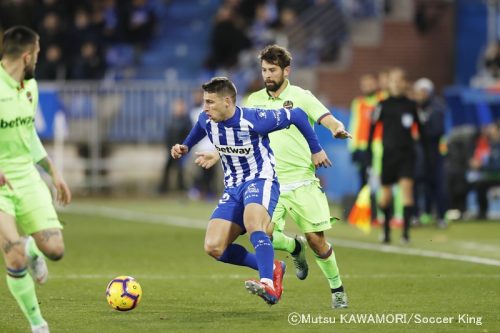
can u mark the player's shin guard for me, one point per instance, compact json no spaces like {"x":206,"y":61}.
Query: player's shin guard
{"x":237,"y":255}
{"x":328,"y":265}
{"x":265,"y":254}
{"x":22,"y":288}
{"x":282,"y":242}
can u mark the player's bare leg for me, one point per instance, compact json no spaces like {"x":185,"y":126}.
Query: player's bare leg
{"x":19,"y":280}
{"x":325,"y":258}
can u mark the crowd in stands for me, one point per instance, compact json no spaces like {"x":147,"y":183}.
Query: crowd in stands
{"x":80,"y":39}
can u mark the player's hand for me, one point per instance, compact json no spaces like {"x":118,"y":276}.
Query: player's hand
{"x":178,"y":151}
{"x":4,"y":181}
{"x":320,"y":159}
{"x":206,"y":159}
{"x":341,"y":133}
{"x":63,"y":192}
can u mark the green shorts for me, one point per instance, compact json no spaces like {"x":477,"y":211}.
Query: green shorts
{"x":307,"y":206}
{"x":31,"y":206}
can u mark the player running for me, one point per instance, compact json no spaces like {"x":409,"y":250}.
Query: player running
{"x":25,"y":201}
{"x":302,"y":197}
{"x":251,"y":193}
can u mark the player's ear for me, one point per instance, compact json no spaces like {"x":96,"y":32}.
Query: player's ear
{"x":26,"y":58}
{"x":286,"y":71}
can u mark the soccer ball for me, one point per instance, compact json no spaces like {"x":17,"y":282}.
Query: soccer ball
{"x":123,"y":293}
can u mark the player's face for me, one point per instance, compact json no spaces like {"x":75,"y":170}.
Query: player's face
{"x":216,"y":107}
{"x":30,"y":60}
{"x":273,"y":75}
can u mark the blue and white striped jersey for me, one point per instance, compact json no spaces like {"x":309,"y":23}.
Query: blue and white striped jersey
{"x":243,"y":143}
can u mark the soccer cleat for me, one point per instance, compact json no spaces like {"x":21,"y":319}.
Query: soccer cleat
{"x":299,"y":260}
{"x":262,"y":290}
{"x":42,"y":328}
{"x":278,"y":273}
{"x":37,"y":265}
{"x":339,"y":300}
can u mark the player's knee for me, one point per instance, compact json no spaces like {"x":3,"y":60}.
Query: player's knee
{"x":16,"y":261}
{"x":55,"y":252}
{"x":214,"y":250}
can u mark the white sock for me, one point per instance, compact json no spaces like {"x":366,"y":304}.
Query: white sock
{"x":268,"y":282}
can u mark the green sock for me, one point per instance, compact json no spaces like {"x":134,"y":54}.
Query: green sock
{"x":330,"y":269}
{"x":33,"y":250}
{"x":283,"y":242}
{"x":23,"y":290}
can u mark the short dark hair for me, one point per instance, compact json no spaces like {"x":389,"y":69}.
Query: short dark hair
{"x":276,"y":55}
{"x":221,"y":86}
{"x":17,"y":40}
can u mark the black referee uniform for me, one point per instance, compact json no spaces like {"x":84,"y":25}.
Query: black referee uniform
{"x":397,"y":114}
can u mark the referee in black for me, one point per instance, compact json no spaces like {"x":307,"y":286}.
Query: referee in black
{"x":398,"y":114}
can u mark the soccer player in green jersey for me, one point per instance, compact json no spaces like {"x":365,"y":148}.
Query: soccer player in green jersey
{"x":302,"y":197}
{"x":25,"y":200}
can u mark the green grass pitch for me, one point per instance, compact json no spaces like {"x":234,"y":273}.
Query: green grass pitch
{"x":160,"y":243}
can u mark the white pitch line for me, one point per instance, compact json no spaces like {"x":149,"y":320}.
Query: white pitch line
{"x":241,"y":276}
{"x":140,"y":217}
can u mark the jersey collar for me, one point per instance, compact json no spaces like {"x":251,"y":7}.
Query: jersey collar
{"x":283,"y":94}
{"x":4,"y":76}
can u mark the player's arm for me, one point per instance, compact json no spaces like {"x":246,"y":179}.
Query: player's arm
{"x":63,"y":191}
{"x":274,"y":120}
{"x":40,"y":157}
{"x":196,"y":135}
{"x":320,"y":114}
{"x":335,"y":126}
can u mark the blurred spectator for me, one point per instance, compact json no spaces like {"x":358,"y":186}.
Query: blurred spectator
{"x":139,"y":23}
{"x":429,"y":184}
{"x":460,"y":149}
{"x":89,"y":64}
{"x":108,"y":19}
{"x":489,"y":70}
{"x":260,"y":33}
{"x":359,"y":124}
{"x":227,"y":41}
{"x":485,"y":166}
{"x":51,"y":31}
{"x":19,"y":12}
{"x":383,"y":81}
{"x":82,"y":31}
{"x":52,"y":67}
{"x":178,"y":127}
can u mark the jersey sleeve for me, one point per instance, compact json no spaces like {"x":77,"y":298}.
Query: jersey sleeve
{"x":197,"y":133}
{"x":37,"y":151}
{"x":313,"y":107}
{"x":267,"y":121}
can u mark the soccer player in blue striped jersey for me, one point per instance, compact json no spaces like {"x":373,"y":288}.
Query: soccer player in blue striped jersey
{"x":251,"y":193}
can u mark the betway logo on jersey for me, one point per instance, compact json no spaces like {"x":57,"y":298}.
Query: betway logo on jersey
{"x":235,"y":150}
{"x":19,"y":121}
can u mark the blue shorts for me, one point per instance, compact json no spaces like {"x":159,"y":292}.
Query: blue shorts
{"x":234,"y":200}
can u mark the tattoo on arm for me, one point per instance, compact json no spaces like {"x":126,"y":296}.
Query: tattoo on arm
{"x":7,"y":247}
{"x":48,"y":234}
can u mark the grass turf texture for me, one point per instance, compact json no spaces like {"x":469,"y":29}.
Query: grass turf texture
{"x":185,"y":290}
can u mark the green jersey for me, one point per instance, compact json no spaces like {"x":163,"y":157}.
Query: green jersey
{"x":20,"y":147}
{"x":293,"y":157}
